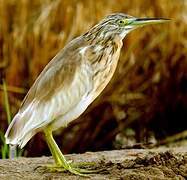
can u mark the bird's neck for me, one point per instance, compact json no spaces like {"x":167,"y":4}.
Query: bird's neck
{"x":105,"y":65}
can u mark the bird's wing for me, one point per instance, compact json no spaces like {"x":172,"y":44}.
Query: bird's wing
{"x":57,"y":82}
{"x":59,"y":72}
{"x":54,"y":76}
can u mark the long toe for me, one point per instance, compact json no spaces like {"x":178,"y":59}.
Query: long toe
{"x":89,"y":171}
{"x":74,"y":170}
{"x":85,"y":167}
{"x":79,"y":172}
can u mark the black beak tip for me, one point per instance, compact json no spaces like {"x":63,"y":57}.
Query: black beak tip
{"x":148,"y":19}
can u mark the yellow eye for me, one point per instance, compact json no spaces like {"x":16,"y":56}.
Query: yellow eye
{"x":123,"y":22}
{"x":120,"y":22}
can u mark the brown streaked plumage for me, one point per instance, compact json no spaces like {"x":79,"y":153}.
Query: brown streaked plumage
{"x":71,"y":82}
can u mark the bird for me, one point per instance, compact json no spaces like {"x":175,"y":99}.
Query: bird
{"x":71,"y":81}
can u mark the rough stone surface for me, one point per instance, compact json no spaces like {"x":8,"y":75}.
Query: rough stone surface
{"x":134,"y":164}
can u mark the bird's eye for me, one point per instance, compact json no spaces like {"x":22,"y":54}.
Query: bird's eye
{"x":121,"y":22}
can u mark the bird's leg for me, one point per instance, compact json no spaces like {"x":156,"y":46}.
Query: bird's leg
{"x":59,"y":157}
{"x":55,"y":151}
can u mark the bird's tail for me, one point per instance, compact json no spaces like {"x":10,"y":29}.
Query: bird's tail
{"x":14,"y":129}
{"x":19,"y":131}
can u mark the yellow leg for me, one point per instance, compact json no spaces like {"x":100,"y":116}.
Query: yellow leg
{"x":55,"y":151}
{"x":59,"y":157}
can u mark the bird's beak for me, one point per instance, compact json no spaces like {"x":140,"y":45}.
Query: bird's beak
{"x":136,"y":22}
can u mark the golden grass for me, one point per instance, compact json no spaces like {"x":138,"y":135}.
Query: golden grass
{"x":151,"y":77}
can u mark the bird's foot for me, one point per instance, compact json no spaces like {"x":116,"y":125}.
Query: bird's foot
{"x":74,"y":168}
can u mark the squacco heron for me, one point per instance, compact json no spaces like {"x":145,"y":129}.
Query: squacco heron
{"x":71,"y":81}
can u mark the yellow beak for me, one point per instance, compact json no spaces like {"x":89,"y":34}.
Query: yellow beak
{"x":147,"y":21}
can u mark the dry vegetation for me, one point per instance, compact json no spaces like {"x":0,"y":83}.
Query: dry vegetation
{"x":147,"y":98}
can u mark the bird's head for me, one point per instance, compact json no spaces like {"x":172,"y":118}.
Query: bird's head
{"x":121,"y":24}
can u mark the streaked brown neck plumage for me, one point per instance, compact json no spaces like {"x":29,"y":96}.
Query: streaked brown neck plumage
{"x":103,"y":52}
{"x":100,"y":34}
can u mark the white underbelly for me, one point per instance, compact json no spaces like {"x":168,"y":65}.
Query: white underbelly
{"x":75,"y":112}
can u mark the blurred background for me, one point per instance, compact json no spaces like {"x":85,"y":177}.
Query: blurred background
{"x":145,"y":104}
